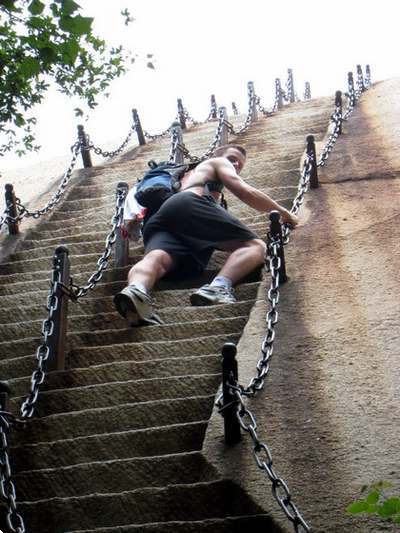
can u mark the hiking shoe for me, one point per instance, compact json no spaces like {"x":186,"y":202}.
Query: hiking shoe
{"x":136,"y":306}
{"x":211,"y":295}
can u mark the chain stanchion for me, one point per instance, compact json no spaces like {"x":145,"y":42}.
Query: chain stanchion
{"x":360,"y":81}
{"x":229,"y":405}
{"x":367,"y":81}
{"x":224,"y":134}
{"x":307,"y":91}
{"x":252,"y":99}
{"x":138,"y":127}
{"x":290,"y":87}
{"x":177,"y":154}
{"x":214,"y":109}
{"x":313,"y":159}
{"x":181,"y":114}
{"x":276,"y":234}
{"x":85,"y":147}
{"x":234,"y":109}
{"x":11,"y":209}
{"x":57,"y":321}
{"x":339,"y":109}
{"x":278,"y":95}
{"x":121,"y":245}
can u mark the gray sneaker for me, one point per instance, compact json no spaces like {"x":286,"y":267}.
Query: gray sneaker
{"x":136,"y":306}
{"x":211,"y":295}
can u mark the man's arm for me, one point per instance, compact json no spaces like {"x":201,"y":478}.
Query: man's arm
{"x":248,"y":194}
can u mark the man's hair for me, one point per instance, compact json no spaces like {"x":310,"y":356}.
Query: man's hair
{"x":222,"y":149}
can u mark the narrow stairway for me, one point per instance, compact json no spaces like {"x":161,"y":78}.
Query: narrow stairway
{"x":116,"y":442}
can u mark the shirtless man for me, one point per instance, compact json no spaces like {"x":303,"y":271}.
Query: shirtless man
{"x":189,"y":226}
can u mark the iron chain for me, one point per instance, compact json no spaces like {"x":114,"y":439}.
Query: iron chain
{"x":15,"y":522}
{"x":79,"y":291}
{"x":43,"y":351}
{"x":336,"y":118}
{"x":112,"y":153}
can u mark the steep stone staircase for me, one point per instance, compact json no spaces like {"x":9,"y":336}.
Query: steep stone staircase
{"x":116,"y":443}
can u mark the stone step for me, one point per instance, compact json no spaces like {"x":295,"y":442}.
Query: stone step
{"x":113,"y":476}
{"x":67,"y":240}
{"x":106,"y":395}
{"x":82,"y":206}
{"x":125,"y":444}
{"x":16,"y":367}
{"x":257,"y":523}
{"x":122,"y":371}
{"x":77,"y":248}
{"x":130,"y":416}
{"x":79,"y":263}
{"x":26,"y":346}
{"x":49,"y":230}
{"x":105,"y":321}
{"x":204,"y":500}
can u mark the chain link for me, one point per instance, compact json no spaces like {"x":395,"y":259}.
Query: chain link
{"x":23,"y":212}
{"x":263,"y":459}
{"x":247,"y":122}
{"x":43,"y":351}
{"x":155,"y":136}
{"x":79,"y":291}
{"x":336,"y":118}
{"x":112,"y":153}
{"x":15,"y":522}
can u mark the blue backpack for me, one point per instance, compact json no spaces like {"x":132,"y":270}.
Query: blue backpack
{"x":160,"y":182}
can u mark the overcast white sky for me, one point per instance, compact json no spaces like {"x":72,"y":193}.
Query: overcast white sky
{"x":216,"y":46}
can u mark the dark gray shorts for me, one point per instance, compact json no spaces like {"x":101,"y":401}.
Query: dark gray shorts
{"x":190,"y":227}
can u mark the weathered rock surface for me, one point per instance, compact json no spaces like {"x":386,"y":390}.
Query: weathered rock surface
{"x":117,"y":443}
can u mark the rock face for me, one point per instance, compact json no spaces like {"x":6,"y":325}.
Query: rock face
{"x":126,"y":438}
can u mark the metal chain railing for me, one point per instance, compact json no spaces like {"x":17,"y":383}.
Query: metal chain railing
{"x":155,"y":136}
{"x":336,"y":119}
{"x":247,"y":122}
{"x":43,"y":351}
{"x":111,"y":153}
{"x":15,"y":522}
{"x":23,"y":212}
{"x":262,"y":109}
{"x":78,"y":291}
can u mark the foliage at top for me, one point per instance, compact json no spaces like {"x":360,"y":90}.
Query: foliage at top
{"x":43,"y":42}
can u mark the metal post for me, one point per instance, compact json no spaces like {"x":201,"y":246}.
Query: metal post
{"x":307,"y":91}
{"x":224,"y":138}
{"x":278,"y":93}
{"x":290,"y":86}
{"x":230,"y":377}
{"x":338,"y":105}
{"x":276,"y":232}
{"x":213,"y":113}
{"x":252,"y":99}
{"x":176,"y":131}
{"x":13,"y":227}
{"x":181,"y":114}
{"x":312,"y":153}
{"x":138,"y":127}
{"x":367,"y":76}
{"x":360,"y":78}
{"x":85,"y":150}
{"x":57,"y":340}
{"x":234,"y":109}
{"x":5,"y":393}
{"x":350,"y":82}
{"x":121,"y":245}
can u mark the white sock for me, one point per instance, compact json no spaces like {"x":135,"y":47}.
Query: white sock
{"x":222,"y":281}
{"x":140,"y":286}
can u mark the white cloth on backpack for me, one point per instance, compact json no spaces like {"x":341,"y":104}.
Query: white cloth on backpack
{"x":133,"y":216}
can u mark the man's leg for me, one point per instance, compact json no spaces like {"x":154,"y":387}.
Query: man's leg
{"x":134,"y":302}
{"x":246,"y":256}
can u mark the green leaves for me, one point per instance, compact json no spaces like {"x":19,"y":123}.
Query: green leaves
{"x":77,"y":25}
{"x":36,"y":7}
{"x":29,"y":67}
{"x":388,"y":508}
{"x":43,"y":41}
